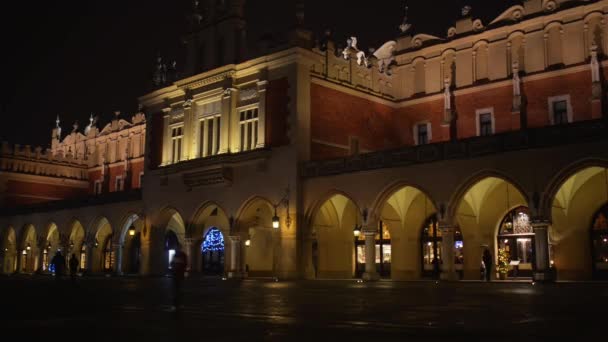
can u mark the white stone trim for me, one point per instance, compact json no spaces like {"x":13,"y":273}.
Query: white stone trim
{"x":554,"y":99}
{"x":116,"y":180}
{"x":429,"y":131}
{"x":96,"y":186}
{"x":481,"y":111}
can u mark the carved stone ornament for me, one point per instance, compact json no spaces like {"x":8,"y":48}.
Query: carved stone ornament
{"x":451,"y":32}
{"x":248,"y":94}
{"x":517,"y":15}
{"x":477,"y":25}
{"x":549,"y":5}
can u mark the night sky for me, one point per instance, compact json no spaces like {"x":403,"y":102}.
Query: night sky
{"x":98,"y":56}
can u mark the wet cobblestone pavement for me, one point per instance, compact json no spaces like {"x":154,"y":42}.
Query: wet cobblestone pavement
{"x":264,"y":310}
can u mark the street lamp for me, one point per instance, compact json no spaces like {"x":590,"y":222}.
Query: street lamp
{"x":357,"y":231}
{"x":132,"y":230}
{"x":247,"y":243}
{"x":28,"y":247}
{"x":275,"y":219}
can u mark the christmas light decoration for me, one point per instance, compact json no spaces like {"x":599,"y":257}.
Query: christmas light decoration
{"x":214,"y":241}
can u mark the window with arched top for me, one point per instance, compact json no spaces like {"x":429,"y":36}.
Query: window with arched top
{"x":516,"y":237}
{"x":594,"y":34}
{"x":553,"y":41}
{"x":108,"y":255}
{"x":481,"y":62}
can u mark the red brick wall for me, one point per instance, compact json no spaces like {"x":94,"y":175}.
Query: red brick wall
{"x":432,"y":111}
{"x":501,"y":99}
{"x":22,"y":192}
{"x":321,"y":151}
{"x":136,"y":169}
{"x":277,"y":112}
{"x":335,"y":116}
{"x":118,"y":170}
{"x":578,"y":85}
{"x":93,"y":176}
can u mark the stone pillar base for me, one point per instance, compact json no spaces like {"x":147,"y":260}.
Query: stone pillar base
{"x":542,"y":277}
{"x":236,"y":275}
{"x":371,"y":276}
{"x":449,"y":276}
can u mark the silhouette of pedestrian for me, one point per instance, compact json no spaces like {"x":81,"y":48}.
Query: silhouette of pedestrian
{"x":58,"y":262}
{"x":487,"y":262}
{"x":178,"y":267}
{"x":73,"y":267}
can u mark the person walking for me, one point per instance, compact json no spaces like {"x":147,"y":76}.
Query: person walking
{"x":178,"y":267}
{"x":73,"y":264}
{"x":487,"y":262}
{"x":58,"y":262}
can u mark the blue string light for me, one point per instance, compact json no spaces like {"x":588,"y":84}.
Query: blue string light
{"x":214,"y":241}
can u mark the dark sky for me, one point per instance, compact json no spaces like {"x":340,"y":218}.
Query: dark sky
{"x":97,"y":57}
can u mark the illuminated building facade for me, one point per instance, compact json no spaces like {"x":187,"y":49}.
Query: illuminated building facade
{"x":310,"y":161}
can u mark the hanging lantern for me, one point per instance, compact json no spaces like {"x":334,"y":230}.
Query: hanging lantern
{"x":357,"y":231}
{"x":275,"y":220}
{"x":132,"y":230}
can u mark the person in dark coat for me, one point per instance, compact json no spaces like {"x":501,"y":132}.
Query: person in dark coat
{"x":73,"y":267}
{"x":59,"y":264}
{"x":487,"y":262}
{"x":179,"y":264}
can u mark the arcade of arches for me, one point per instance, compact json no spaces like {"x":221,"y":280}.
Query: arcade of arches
{"x":406,"y":235}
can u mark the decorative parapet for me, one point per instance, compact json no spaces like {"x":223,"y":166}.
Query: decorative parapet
{"x":43,"y":163}
{"x":585,"y":131}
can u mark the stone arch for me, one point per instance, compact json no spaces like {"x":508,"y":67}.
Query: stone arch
{"x":478,"y":208}
{"x":517,"y":51}
{"x":9,"y":251}
{"x":103,"y":253}
{"x":481,"y":71}
{"x":403,"y":208}
{"x":129,"y":252}
{"x":332,"y":224}
{"x":208,"y":215}
{"x":575,"y":197}
{"x":168,"y":235}
{"x":254,"y":224}
{"x":27,"y":249}
{"x":52,"y":241}
{"x":77,"y":243}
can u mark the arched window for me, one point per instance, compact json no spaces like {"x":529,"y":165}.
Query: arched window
{"x":481,"y":62}
{"x":212,"y":250}
{"x":553,"y":38}
{"x":516,"y":236}
{"x":383,"y":252}
{"x":599,"y":243}
{"x":431,"y":241}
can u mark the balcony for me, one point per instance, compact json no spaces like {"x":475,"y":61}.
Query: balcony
{"x":579,"y":132}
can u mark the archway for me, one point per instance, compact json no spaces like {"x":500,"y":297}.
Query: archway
{"x":479,"y":214}
{"x":403,"y":212}
{"x":577,"y":209}
{"x":50,"y":247}
{"x":208,"y":217}
{"x":334,"y":242}
{"x":261,"y":240}
{"x":103,"y":256}
{"x":28,"y":262}
{"x":212,"y":251}
{"x":129,"y":256}
{"x":516,"y":237}
{"x":174,"y":237}
{"x":431,"y":244}
{"x":9,"y":251}
{"x":77,"y":245}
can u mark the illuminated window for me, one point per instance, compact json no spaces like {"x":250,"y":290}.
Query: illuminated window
{"x":83,"y":257}
{"x":516,"y":237}
{"x":249,"y":129}
{"x":485,"y":122}
{"x":599,"y":241}
{"x":431,"y":241}
{"x":210,"y":136}
{"x":177,"y":134}
{"x":108,"y":255}
{"x":383,"y":252}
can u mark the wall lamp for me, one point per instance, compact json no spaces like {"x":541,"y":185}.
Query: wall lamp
{"x":358,"y":227}
{"x":276,"y":221}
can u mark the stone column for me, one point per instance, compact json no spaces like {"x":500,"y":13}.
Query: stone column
{"x":370,"y":256}
{"x":235,"y":257}
{"x":166,"y":148}
{"x":541,"y":250}
{"x":448,"y":271}
{"x":262,"y":114}
{"x":187,"y":248}
{"x":226,"y":121}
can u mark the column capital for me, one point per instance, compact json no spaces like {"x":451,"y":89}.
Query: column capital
{"x":235,"y":238}
{"x":540,"y":223}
